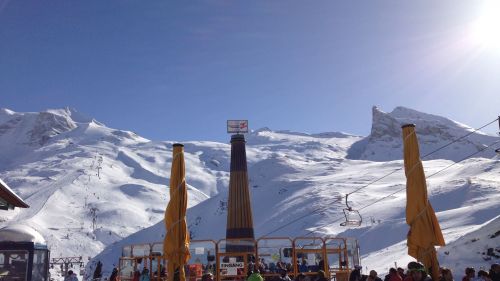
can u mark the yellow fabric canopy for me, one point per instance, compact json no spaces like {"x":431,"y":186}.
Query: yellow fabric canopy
{"x":176,"y":242}
{"x":425,"y":232}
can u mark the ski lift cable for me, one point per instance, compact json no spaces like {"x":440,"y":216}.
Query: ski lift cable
{"x":325,"y":207}
{"x":399,"y":190}
{"x":426,"y":155}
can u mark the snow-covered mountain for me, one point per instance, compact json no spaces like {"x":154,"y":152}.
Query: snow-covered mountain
{"x":65,"y":165}
{"x":385,"y":144}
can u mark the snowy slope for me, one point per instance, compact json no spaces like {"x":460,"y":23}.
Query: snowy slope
{"x":458,"y":254}
{"x":52,"y":159}
{"x":64,"y":165}
{"x":296,"y":184}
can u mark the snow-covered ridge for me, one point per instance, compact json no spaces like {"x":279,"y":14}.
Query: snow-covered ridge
{"x":384,"y":142}
{"x":81,"y":165}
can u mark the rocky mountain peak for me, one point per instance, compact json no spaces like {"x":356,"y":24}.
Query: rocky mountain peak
{"x":384,"y":142}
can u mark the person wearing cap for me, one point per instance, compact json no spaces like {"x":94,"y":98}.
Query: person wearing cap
{"x":417,"y":272}
{"x":356,"y":273}
{"x":255,"y":276}
{"x":207,"y":277}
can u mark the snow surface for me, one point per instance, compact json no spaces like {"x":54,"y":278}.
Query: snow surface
{"x":21,"y":233}
{"x":64,"y":164}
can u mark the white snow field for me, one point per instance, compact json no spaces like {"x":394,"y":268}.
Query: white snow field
{"x":66,"y":166}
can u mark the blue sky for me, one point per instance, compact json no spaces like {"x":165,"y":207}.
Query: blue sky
{"x":176,"y":70}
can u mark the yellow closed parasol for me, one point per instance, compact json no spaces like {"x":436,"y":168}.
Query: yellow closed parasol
{"x":176,"y":242}
{"x":425,"y":232}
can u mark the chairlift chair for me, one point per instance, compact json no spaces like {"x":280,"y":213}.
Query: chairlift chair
{"x":352,"y":217}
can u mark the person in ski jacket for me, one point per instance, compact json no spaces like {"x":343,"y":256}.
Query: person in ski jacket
{"x":401,"y":273}
{"x":283,"y":276}
{"x":355,"y":274}
{"x":495,"y":272}
{"x":300,"y":277}
{"x":114,"y":275}
{"x":255,"y":276}
{"x":137,"y":275}
{"x":321,"y":276}
{"x":70,"y":276}
{"x":417,"y":272}
{"x":482,"y":275}
{"x":303,"y":266}
{"x":373,"y":276}
{"x":144,"y":275}
{"x":207,"y":277}
{"x":446,"y":275}
{"x":393,"y":275}
{"x":470,"y":274}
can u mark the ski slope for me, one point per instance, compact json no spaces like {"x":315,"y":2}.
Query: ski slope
{"x":65,"y":165}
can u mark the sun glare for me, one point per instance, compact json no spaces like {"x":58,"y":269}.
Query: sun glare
{"x":486,"y":29}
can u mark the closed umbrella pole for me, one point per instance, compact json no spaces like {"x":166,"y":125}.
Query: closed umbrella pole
{"x":425,"y":232}
{"x":176,"y":242}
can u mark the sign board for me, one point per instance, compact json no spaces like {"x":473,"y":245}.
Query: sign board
{"x":199,"y":251}
{"x":231,"y":268}
{"x":237,"y":126}
{"x":311,"y":258}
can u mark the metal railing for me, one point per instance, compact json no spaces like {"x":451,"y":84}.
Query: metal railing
{"x":232,"y":259}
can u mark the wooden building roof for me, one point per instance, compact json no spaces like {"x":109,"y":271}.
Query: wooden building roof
{"x":8,"y":199}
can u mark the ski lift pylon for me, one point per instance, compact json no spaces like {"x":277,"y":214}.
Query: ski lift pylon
{"x":352,"y":217}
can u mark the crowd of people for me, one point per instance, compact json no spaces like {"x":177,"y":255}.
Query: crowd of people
{"x":417,"y":272}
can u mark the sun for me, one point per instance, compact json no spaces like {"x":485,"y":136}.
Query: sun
{"x":486,"y":29}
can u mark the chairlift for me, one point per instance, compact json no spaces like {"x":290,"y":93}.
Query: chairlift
{"x":352,"y":217}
